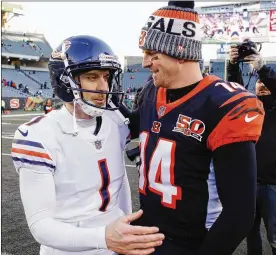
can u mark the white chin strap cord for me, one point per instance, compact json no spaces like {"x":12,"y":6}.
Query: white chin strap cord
{"x":75,"y":92}
{"x":76,"y":130}
{"x":120,"y":115}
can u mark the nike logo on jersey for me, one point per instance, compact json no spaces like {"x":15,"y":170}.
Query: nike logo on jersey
{"x":23,"y":133}
{"x":249,"y":119}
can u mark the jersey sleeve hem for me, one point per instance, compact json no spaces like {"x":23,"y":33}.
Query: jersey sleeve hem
{"x":219,"y":143}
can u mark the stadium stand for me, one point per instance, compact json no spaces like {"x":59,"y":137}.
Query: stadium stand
{"x":229,"y":22}
{"x":12,"y":92}
{"x":18,"y":77}
{"x":24,"y":58}
{"x":14,"y":45}
{"x":40,"y":76}
{"x":21,"y":77}
{"x":34,"y":45}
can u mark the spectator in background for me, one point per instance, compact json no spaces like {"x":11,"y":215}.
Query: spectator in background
{"x":3,"y":104}
{"x":45,"y":85}
{"x":48,"y":106}
{"x":38,"y":93}
{"x":233,"y":68}
{"x":136,"y":99}
{"x":265,"y":150}
{"x":26,"y":89}
{"x":14,"y":85}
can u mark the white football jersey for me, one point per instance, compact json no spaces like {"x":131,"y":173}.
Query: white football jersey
{"x":88,"y":170}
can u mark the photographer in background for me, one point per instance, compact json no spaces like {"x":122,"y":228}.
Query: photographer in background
{"x":136,"y":99}
{"x":265,"y":148}
{"x":235,"y":68}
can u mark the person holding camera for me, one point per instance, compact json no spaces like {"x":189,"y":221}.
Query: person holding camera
{"x":265,"y":148}
{"x":238,"y":54}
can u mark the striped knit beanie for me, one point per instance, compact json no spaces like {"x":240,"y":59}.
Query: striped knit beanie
{"x":173,"y":30}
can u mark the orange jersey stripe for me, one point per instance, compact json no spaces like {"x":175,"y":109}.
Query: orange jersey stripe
{"x":236,"y":97}
{"x":177,"y":15}
{"x":31,"y":153}
{"x":243,"y":123}
{"x":162,"y":100}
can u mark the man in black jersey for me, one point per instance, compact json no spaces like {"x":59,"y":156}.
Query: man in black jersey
{"x":197,"y":179}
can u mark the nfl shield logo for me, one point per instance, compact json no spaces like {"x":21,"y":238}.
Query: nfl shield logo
{"x":161,"y":111}
{"x":98,"y":144}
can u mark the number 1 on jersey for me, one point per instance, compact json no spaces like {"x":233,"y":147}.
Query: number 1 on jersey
{"x":161,"y":171}
{"x":104,"y":192}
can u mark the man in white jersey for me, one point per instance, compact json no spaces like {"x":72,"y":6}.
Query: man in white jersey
{"x":73,"y":181}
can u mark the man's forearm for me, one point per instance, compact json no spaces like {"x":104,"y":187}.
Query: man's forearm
{"x":234,"y":73}
{"x":38,"y":197}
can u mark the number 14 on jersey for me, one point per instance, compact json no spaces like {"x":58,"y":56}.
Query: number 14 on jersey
{"x":160,"y":177}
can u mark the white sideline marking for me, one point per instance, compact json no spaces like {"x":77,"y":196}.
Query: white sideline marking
{"x":10,"y":124}
{"x":8,"y":154}
{"x":24,"y":114}
{"x":7,"y":137}
{"x":21,"y":119}
{"x":130,"y":166}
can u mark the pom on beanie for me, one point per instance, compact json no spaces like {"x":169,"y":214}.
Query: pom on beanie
{"x":182,"y":4}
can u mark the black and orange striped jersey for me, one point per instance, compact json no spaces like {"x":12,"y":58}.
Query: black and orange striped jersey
{"x":177,"y":141}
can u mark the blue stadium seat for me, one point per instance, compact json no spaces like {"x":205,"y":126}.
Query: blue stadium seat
{"x":18,"y":77}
